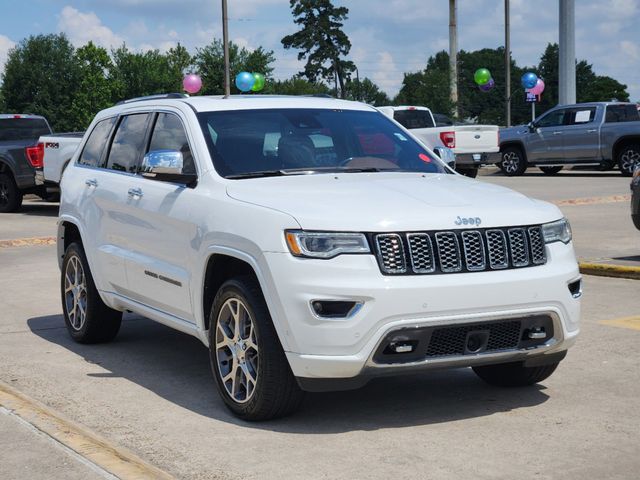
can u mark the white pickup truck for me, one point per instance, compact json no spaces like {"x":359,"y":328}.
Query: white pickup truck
{"x":473,"y":145}
{"x":58,"y":150}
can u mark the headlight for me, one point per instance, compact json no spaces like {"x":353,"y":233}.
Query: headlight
{"x":559,"y":231}
{"x":325,"y":244}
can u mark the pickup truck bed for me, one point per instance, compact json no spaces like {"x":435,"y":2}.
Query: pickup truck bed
{"x":58,"y":150}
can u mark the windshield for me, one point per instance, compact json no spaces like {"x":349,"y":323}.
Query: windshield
{"x":246,"y":143}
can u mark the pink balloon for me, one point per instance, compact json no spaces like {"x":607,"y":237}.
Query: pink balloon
{"x":192,"y":83}
{"x":539,"y":87}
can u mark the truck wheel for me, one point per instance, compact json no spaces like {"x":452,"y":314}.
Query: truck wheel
{"x":251,"y":371}
{"x":550,"y":170}
{"x":87,"y":318}
{"x":471,"y":172}
{"x":514,"y":374}
{"x":513,"y":162}
{"x":10,"y":195}
{"x":628,"y":159}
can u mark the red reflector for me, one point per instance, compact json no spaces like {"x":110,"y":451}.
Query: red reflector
{"x":17,"y":116}
{"x":448,"y":139}
{"x":411,"y":108}
{"x":424,"y":158}
{"x":35,"y":155}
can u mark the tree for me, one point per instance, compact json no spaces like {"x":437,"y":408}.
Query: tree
{"x":321,"y":41}
{"x":209,"y":62}
{"x":368,"y":92}
{"x":41,"y":77}
{"x":95,"y":90}
{"x":296,"y":86}
{"x":180,"y":62}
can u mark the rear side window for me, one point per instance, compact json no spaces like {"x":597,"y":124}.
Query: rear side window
{"x":128,"y":143}
{"x":98,"y":138}
{"x":622,"y":113}
{"x":411,"y":119}
{"x":22,"y":128}
{"x":168,"y":134}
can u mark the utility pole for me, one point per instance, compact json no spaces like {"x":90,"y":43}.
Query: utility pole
{"x":225,"y":41}
{"x":507,"y":62}
{"x":453,"y":54}
{"x":567,"y":47}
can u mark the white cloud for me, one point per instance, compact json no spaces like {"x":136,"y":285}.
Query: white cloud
{"x":84,"y":27}
{"x":6,"y":44}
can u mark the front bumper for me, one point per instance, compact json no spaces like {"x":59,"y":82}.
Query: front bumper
{"x":344,"y":347}
{"x":478,"y":159}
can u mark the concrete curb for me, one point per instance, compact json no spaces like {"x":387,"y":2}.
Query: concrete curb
{"x":98,"y":451}
{"x":608,"y":270}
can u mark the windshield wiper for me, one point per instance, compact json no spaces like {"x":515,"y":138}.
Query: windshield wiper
{"x":263,"y":173}
{"x":309,"y":171}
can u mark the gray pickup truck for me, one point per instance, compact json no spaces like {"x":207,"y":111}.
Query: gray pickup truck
{"x":602,"y":133}
{"x":20,"y":156}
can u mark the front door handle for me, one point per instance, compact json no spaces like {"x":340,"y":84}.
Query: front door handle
{"x":135,"y":192}
{"x":593,"y":130}
{"x":557,"y":133}
{"x":91,"y":182}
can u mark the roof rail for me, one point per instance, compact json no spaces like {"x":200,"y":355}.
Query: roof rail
{"x":153,"y":97}
{"x":318,"y":95}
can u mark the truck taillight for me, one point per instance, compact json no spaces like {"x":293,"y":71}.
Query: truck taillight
{"x":35,"y":155}
{"x":448,"y":139}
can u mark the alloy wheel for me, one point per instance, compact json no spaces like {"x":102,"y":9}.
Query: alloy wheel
{"x":629,"y":160}
{"x":75,"y":293}
{"x":237,"y":350}
{"x":510,"y":162}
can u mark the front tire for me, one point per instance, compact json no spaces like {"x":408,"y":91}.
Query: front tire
{"x":628,"y":159}
{"x":514,"y":374}
{"x":551,"y":170}
{"x":513,"y":162}
{"x":86,"y":316}
{"x":251,"y":371}
{"x":10,"y":194}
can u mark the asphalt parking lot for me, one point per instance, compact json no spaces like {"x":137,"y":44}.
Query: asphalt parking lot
{"x":151,"y":391}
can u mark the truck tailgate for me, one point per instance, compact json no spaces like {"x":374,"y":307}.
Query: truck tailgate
{"x":476,"y":139}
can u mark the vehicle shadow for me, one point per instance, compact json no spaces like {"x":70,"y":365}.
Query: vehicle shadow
{"x":175,"y":366}
{"x":40,"y":209}
{"x":563,"y":174}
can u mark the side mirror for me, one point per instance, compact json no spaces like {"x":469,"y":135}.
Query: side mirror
{"x":446,"y":155}
{"x":532,"y":127}
{"x":166,"y":165}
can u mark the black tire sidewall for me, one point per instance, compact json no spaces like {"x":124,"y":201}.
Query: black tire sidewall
{"x":636,"y":148}
{"x":522,"y":163}
{"x":15,"y":195}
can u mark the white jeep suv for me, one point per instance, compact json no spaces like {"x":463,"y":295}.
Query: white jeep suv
{"x":312,"y":244}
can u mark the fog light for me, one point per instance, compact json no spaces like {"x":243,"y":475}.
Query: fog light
{"x":401,"y":347}
{"x":335,"y":308}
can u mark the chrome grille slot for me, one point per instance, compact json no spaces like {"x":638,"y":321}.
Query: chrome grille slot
{"x":518,"y":247}
{"x":448,"y":252}
{"x":421,"y":253}
{"x":474,"y":256}
{"x":497,"y":246}
{"x":538,"y":250}
{"x":391,"y":253}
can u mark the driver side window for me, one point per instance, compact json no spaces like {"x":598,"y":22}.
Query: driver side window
{"x":553,"y":119}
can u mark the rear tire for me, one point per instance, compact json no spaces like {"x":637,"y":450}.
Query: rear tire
{"x":550,"y":170}
{"x":628,"y":159}
{"x":86,"y":316}
{"x":10,"y":194}
{"x":251,"y":370}
{"x":471,"y":172}
{"x":514,"y":374}
{"x":513,"y":162}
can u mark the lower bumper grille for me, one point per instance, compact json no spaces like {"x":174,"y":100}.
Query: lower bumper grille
{"x":451,"y":340}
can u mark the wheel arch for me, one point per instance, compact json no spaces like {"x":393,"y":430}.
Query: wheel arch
{"x":514,"y":143}
{"x":68,"y":232}
{"x":623,"y":142}
{"x":7,"y":166}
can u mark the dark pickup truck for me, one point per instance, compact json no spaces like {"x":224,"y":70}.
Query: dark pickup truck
{"x":606,"y":134}
{"x":20,"y":155}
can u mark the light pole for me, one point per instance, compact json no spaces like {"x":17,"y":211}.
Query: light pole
{"x":507,"y":62}
{"x":453,"y":54}
{"x":225,"y":41}
{"x":567,"y":53}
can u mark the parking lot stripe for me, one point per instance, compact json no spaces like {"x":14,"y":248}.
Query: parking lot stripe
{"x":592,"y":200}
{"x":609,"y":270}
{"x":625,"y":322}
{"x":27,"y":242}
{"x":96,"y":450}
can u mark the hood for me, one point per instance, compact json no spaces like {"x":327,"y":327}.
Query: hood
{"x":515,"y":131}
{"x":381,"y":202}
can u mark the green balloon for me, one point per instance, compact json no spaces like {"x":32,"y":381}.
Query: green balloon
{"x":482,"y":76}
{"x":258,"y":84}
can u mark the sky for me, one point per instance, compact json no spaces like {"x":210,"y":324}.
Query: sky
{"x":389,"y":37}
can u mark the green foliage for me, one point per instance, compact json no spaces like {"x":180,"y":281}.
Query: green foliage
{"x":94,"y":91}
{"x":368,"y":92}
{"x":429,"y":87}
{"x":209,"y":63}
{"x":41,"y":77}
{"x":321,"y":41}
{"x":296,"y":86}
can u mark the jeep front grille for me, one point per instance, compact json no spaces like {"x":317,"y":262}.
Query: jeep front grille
{"x":454,"y":251}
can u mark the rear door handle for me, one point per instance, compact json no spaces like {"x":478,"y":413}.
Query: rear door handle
{"x":91,"y":182}
{"x":593,"y":130}
{"x":557,"y":133}
{"x":135,"y":192}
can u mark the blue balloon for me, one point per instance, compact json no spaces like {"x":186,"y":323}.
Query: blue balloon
{"x":529,"y":80}
{"x":245,"y":81}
